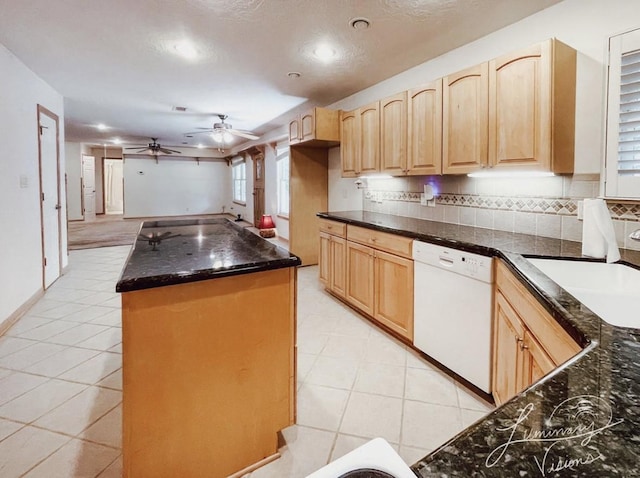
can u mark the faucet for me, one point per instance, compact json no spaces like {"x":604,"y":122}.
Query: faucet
{"x":635,"y":235}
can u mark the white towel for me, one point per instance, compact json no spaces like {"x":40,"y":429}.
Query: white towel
{"x":598,"y":235}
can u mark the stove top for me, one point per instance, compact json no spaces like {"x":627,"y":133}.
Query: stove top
{"x":374,"y":459}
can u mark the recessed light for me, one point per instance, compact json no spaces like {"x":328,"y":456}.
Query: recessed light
{"x":186,"y":49}
{"x":294,"y":74}
{"x":324,"y":52}
{"x":117,"y":141}
{"x":200,"y":146}
{"x":360,"y":23}
{"x":101,"y":127}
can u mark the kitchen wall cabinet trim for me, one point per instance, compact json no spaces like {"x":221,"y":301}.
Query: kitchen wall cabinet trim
{"x":465,"y":116}
{"x":532,"y":108}
{"x":369,"y":147}
{"x":424,"y":129}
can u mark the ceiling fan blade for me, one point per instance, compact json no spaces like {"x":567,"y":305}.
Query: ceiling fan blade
{"x":208,"y":130}
{"x":168,"y":151}
{"x":143,"y":150}
{"x":244,"y":134}
{"x":133,"y":147}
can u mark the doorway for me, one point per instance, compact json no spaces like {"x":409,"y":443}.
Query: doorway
{"x":113,"y":185}
{"x":257,"y":155}
{"x":89,"y":187}
{"x":50,"y":207}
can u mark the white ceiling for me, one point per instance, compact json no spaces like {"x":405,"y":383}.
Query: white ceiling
{"x":114,"y":60}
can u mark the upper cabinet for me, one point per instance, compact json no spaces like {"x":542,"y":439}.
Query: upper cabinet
{"x":532,"y":108}
{"x":369,"y":148}
{"x":424,"y":129}
{"x":514,"y":112}
{"x":317,"y":127}
{"x":349,"y":140}
{"x":393,"y":134}
{"x":465,"y":115}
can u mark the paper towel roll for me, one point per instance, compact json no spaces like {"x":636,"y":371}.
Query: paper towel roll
{"x":598,"y":235}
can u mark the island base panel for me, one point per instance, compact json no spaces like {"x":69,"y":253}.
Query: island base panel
{"x":208,"y":374}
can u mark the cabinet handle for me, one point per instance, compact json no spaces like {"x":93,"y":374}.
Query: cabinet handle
{"x":523,"y":346}
{"x":519,"y":340}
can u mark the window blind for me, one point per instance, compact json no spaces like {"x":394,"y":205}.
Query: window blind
{"x":629,"y":121}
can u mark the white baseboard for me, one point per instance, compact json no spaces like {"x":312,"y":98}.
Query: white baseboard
{"x":13,"y":318}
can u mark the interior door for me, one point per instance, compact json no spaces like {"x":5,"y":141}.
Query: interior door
{"x":258,"y":186}
{"x":89,"y":187}
{"x":50,"y":207}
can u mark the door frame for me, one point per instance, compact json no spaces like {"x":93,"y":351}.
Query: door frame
{"x":104,"y":204}
{"x":41,"y":110}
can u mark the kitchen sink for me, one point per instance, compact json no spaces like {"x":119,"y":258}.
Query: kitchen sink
{"x":610,"y":290}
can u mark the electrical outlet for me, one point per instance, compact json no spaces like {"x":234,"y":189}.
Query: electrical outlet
{"x":431,"y":202}
{"x":423,"y":200}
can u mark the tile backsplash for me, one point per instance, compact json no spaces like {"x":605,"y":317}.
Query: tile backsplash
{"x":542,"y":206}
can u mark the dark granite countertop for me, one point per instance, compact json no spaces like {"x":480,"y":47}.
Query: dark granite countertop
{"x":583,"y":419}
{"x":195,"y":250}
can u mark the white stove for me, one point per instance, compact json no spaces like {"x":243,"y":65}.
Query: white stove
{"x":374,"y":455}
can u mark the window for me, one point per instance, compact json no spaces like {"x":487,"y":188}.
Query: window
{"x":239,"y":173}
{"x":282,"y":162}
{"x":623,"y":117}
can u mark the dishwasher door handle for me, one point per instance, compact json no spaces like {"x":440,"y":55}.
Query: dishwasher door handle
{"x":445,"y":261}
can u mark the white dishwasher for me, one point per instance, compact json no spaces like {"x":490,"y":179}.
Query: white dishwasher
{"x":453,"y":308}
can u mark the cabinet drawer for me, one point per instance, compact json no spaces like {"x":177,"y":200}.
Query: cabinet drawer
{"x":333,"y":227}
{"x":551,"y":336}
{"x":381,"y":240}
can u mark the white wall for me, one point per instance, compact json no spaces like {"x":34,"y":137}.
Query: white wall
{"x":20,"y":243}
{"x":582,"y":24}
{"x":73,"y":167}
{"x":174,"y":186}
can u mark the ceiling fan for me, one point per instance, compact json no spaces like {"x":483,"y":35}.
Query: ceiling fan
{"x":223,"y":132}
{"x":154,"y":148}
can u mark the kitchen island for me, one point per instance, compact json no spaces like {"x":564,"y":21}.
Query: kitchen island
{"x":583,"y":418}
{"x":208,"y":332}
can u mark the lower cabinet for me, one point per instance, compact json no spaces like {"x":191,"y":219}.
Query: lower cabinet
{"x":332,"y":257}
{"x":381,"y":285}
{"x":527,"y":343}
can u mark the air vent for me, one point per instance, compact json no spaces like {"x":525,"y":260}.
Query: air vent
{"x":179,"y":108}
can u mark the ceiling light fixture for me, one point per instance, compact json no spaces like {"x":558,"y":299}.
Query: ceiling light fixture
{"x":294,"y":74}
{"x":200,"y":146}
{"x":186,"y":50}
{"x":324,"y":52}
{"x":101,"y":127}
{"x":360,"y":23}
{"x":222,"y":136}
{"x":117,"y":141}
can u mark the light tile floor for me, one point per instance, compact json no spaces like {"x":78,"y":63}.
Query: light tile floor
{"x":61,"y":382}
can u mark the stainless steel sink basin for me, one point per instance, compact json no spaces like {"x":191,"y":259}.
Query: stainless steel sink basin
{"x":610,"y":290}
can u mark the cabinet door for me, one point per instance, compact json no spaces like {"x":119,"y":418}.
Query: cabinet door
{"x":308,"y":126}
{"x":349,"y":142}
{"x":338,"y":274}
{"x":393,"y":134}
{"x":360,"y":276}
{"x":324,"y":259}
{"x":369,"y":150}
{"x":424,"y":129}
{"x":508,"y":334}
{"x":465,"y":120}
{"x":394,"y":293}
{"x":520,"y":109}
{"x":536,"y":362}
{"x":294,"y":131}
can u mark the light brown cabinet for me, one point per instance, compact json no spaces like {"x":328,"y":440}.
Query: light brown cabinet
{"x":332,"y":257}
{"x":360,"y":140}
{"x":465,"y":115}
{"x":380,"y":279}
{"x":527,"y":343}
{"x":424,"y":129}
{"x":532,"y":108}
{"x":349,"y":142}
{"x":393,"y":134}
{"x":369,"y":147}
{"x":317,"y":127}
